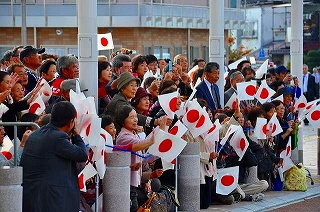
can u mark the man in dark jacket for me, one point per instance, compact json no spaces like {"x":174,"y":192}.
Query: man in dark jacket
{"x":50,"y":178}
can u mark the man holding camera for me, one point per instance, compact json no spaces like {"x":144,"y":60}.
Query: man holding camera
{"x":50,"y":178}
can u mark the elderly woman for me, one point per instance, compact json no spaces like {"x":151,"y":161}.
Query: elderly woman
{"x":128,"y":86}
{"x":126,"y":117}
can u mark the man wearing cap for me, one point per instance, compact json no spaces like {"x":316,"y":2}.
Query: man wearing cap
{"x":127,"y":86}
{"x":31,"y":59}
{"x":282,"y":74}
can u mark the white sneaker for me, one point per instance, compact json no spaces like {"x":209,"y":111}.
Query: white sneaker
{"x":240,"y":191}
{"x":258,"y":197}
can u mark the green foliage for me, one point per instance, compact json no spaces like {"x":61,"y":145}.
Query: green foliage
{"x":312,"y":58}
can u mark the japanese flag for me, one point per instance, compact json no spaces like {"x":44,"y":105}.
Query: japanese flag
{"x":213,"y":130}
{"x":168,"y":103}
{"x":202,"y":125}
{"x":101,"y":164}
{"x":235,"y":64}
{"x":264,"y":93}
{"x":262,"y":69}
{"x":233,"y":102}
{"x":229,"y":132}
{"x":45,"y":91}
{"x":275,"y":125}
{"x":167,"y":146}
{"x":227,"y":180}
{"x":246,"y":90}
{"x":178,"y":129}
{"x":314,"y":117}
{"x":89,"y":128}
{"x":88,"y":172}
{"x":105,"y":41}
{"x":194,"y":111}
{"x":37,"y":106}
{"x":261,"y":129}
{"x":285,"y":154}
{"x":3,"y":109}
{"x":106,"y":139}
{"x":300,"y":104}
{"x":7,"y":148}
{"x":239,"y":143}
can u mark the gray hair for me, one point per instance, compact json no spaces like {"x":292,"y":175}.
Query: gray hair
{"x":234,"y":74}
{"x":65,"y":62}
{"x":117,"y":60}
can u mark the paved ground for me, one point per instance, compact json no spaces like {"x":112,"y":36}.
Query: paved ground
{"x":305,"y":205}
{"x":281,"y":199}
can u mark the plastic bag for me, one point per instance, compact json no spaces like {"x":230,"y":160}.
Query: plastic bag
{"x":295,"y":178}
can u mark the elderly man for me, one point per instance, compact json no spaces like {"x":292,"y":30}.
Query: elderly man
{"x":67,"y":68}
{"x":31,"y":59}
{"x":50,"y":177}
{"x":207,"y":89}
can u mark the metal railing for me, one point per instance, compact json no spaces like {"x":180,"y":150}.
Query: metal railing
{"x":15,"y":134}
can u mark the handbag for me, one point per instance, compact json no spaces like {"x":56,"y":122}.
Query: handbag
{"x":147,"y":205}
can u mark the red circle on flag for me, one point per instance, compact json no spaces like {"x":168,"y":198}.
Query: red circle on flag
{"x":165,"y":145}
{"x":104,"y":137}
{"x":173,"y":104}
{"x":33,"y":108}
{"x":81,"y":181}
{"x":315,"y":115}
{"x":174,"y":130}
{"x":250,"y":90}
{"x":46,"y":93}
{"x":227,"y":180}
{"x":274,"y":128}
{"x":288,"y":150}
{"x":7,"y":155}
{"x":301,"y":105}
{"x":211,"y":129}
{"x":174,"y":161}
{"x":309,"y":107}
{"x":192,"y":115}
{"x":264,"y":129}
{"x":242,"y":144}
{"x":104,"y":41}
{"x":88,"y":129}
{"x":264,"y":93}
{"x":201,"y":121}
{"x":234,"y":104}
{"x":105,"y":157}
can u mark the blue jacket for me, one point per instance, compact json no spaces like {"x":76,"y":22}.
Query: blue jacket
{"x":204,"y":93}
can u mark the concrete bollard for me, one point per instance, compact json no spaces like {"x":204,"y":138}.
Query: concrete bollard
{"x":10,"y":188}
{"x":318,"y":159}
{"x":116,"y":182}
{"x":189,"y":178}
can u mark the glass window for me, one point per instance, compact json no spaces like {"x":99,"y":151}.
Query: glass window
{"x":162,"y":52}
{"x":206,"y":53}
{"x":147,"y":50}
{"x":194,"y":52}
{"x":177,"y":50}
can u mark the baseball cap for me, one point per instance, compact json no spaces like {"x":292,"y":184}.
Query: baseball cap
{"x":28,"y":50}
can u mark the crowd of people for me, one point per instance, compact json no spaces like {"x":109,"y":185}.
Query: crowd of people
{"x":128,"y":90}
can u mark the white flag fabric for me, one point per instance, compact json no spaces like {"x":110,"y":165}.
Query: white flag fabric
{"x":285,"y":154}
{"x":264,"y":93}
{"x":235,"y":64}
{"x":202,"y":125}
{"x":7,"y":148}
{"x":276,"y":127}
{"x":239,"y":143}
{"x":101,"y":165}
{"x":37,"y":106}
{"x":168,"y":103}
{"x":227,"y":180}
{"x":194,"y":111}
{"x":45,"y":91}
{"x":300,"y":103}
{"x":314,"y":117}
{"x":232,"y":103}
{"x":213,"y":130}
{"x":88,"y":172}
{"x":246,"y":90}
{"x":106,"y":138}
{"x":167,"y":146}
{"x":229,"y":132}
{"x":3,"y":109}
{"x":262,"y":69}
{"x":260,"y":130}
{"x":279,"y":98}
{"x":105,"y":41}
{"x":178,"y":129}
